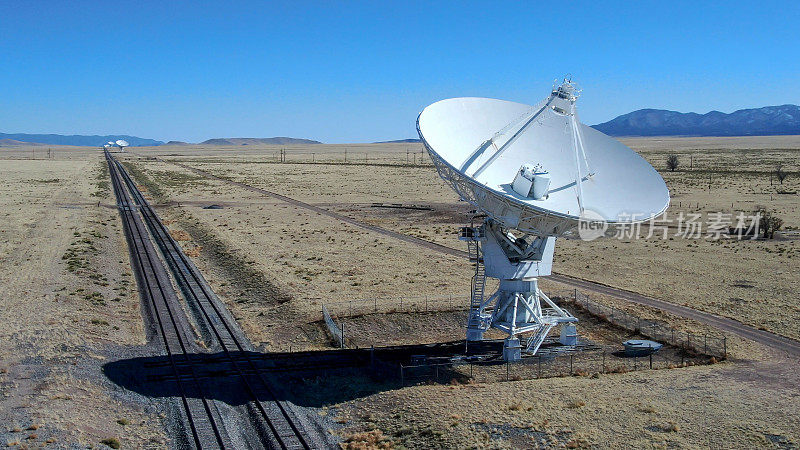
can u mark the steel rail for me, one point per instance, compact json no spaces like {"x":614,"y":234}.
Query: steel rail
{"x":202,"y":298}
{"x":143,"y":259}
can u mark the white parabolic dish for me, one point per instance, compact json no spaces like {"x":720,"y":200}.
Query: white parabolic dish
{"x":622,"y":187}
{"x":121,"y":143}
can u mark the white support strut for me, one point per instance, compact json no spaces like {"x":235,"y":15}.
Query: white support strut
{"x":517,"y":306}
{"x":578,"y":177}
{"x":507,"y":144}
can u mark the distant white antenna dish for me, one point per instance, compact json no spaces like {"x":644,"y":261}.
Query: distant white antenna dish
{"x":538,"y":170}
{"x":121,"y":144}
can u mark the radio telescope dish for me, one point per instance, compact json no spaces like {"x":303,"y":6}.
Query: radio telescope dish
{"x":121,"y":144}
{"x":479,"y":144}
{"x":539,"y":171}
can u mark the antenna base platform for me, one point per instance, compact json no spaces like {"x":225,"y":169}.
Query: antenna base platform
{"x":518,"y":306}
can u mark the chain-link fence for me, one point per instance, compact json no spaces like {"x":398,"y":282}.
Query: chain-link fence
{"x":705,"y":344}
{"x":413,"y":157}
{"x":688,"y":348}
{"x":354,"y":308}
{"x":586,"y":363}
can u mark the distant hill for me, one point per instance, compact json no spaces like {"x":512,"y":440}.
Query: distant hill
{"x":176,"y":143}
{"x":256,"y":141}
{"x":400,"y":141}
{"x":14,"y":143}
{"x":769,"y":120}
{"x":79,"y":140}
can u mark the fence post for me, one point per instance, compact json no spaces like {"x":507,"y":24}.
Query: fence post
{"x":725,"y":346}
{"x":350,"y":308}
{"x":376,"y":305}
{"x":426,"y":303}
{"x":470,"y":370}
{"x":604,"y":361}
{"x":651,"y":361}
{"x":705,"y":344}
{"x":342,"y":334}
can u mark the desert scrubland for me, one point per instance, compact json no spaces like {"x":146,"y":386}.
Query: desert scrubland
{"x":751,"y":281}
{"x":274,"y":264}
{"x":68,"y":304}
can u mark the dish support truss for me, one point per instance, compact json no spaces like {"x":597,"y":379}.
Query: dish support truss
{"x":518,"y":306}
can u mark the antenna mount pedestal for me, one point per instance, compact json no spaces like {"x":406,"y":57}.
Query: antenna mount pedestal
{"x":518,"y":306}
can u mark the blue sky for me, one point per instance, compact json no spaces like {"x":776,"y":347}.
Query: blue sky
{"x":362,"y":71}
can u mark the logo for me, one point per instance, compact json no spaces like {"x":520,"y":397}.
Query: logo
{"x":591,"y":225}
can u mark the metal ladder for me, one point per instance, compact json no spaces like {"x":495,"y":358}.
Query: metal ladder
{"x":479,"y":279}
{"x":538,"y":337}
{"x":473,"y":236}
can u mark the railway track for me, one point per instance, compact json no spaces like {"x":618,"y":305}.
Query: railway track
{"x":275,"y":421}
{"x":160,"y":298}
{"x":775,"y":341}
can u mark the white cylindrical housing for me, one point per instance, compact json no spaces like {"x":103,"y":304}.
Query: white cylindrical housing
{"x":541,"y":185}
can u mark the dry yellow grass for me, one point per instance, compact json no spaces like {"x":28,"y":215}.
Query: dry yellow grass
{"x":67,"y":301}
{"x":311,"y":258}
{"x":741,"y":404}
{"x":711,"y":406}
{"x":67,"y":297}
{"x":749,"y":281}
